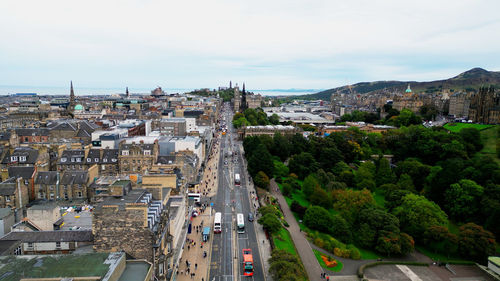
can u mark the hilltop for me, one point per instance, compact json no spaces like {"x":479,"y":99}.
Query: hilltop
{"x":469,"y":80}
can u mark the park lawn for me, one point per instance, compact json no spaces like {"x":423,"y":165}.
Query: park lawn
{"x":369,"y":254}
{"x":283,"y":241}
{"x":379,"y":197}
{"x":490,"y":138}
{"x":337,"y":268}
{"x":457,"y":127}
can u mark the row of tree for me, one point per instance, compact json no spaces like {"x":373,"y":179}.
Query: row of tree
{"x":254,"y":117}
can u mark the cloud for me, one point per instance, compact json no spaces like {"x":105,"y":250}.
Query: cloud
{"x":271,"y":44}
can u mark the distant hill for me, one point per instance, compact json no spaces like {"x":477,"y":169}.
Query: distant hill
{"x":469,"y":80}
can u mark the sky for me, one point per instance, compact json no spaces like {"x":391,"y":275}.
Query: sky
{"x":268,"y":44}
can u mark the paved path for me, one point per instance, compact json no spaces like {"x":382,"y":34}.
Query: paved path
{"x":310,"y":262}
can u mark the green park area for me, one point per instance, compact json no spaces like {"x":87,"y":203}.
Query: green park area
{"x":283,"y":241}
{"x":457,"y":127}
{"x":365,"y":196}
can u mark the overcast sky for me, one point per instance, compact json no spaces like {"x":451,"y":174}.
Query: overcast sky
{"x":269,"y":44}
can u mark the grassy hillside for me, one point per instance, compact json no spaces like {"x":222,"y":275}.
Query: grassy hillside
{"x":457,"y":127}
{"x":469,"y":80}
{"x":491,"y":142}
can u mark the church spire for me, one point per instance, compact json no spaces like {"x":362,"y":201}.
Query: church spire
{"x":243,"y":87}
{"x":127,"y":93}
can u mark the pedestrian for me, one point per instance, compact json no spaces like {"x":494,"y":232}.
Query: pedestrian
{"x":187,"y":263}
{"x":327,"y":278}
{"x":189,"y":247}
{"x":195,"y":266}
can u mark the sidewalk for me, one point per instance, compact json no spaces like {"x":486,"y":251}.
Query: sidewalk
{"x":310,"y":262}
{"x":194,"y":247}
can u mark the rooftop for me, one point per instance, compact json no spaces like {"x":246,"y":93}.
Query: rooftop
{"x":135,"y":271}
{"x":16,"y":267}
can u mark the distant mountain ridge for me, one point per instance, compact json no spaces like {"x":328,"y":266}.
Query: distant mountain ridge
{"x":468,"y":80}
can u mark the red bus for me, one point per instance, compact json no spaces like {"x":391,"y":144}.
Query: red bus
{"x":247,"y":262}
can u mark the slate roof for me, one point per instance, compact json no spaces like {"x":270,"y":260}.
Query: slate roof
{"x":7,"y":189}
{"x":30,"y":154}
{"x":74,"y":177}
{"x":5,"y":136}
{"x":5,"y":212}
{"x":50,"y":236}
{"x":63,"y":126}
{"x":46,"y":177}
{"x":144,"y":146}
{"x":93,"y":155}
{"x":25,"y":172}
{"x":109,"y":156}
{"x":32,"y":132}
{"x":72,"y":153}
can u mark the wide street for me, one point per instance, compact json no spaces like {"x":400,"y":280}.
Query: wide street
{"x":226,"y":254}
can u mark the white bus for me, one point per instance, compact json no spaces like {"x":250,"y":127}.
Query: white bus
{"x":218,"y":223}
{"x":196,"y":197}
{"x":237,"y":179}
{"x":240,"y":220}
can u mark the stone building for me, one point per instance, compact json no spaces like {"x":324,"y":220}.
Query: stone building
{"x":459,"y":104}
{"x":74,"y":184}
{"x":50,"y":242}
{"x":137,"y":157}
{"x":47,"y":185}
{"x":13,"y":194}
{"x":73,"y":160}
{"x":485,"y":106}
{"x":109,"y":162}
{"x":408,"y":100}
{"x":170,"y":126}
{"x":254,"y":101}
{"x":237,"y":100}
{"x":26,"y":157}
{"x":33,"y":135}
{"x":136,"y":224}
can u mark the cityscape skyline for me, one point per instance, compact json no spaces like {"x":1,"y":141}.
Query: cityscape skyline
{"x":279,"y":45}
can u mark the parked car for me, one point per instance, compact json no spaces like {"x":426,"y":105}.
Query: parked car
{"x":250,"y":217}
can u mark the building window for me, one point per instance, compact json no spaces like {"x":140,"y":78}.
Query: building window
{"x":63,"y":159}
{"x":103,"y":167}
{"x":89,"y":159}
{"x":7,"y":198}
{"x":30,"y":245}
{"x":13,"y":158}
{"x":26,"y":139}
{"x":79,"y":193}
{"x":52,"y":196}
{"x":72,"y":159}
{"x":125,"y":152}
{"x":96,"y":160}
{"x":22,"y":158}
{"x":147,"y":152}
{"x":58,"y":245}
{"x":18,"y":251}
{"x":66,"y":197}
{"x":78,"y":159}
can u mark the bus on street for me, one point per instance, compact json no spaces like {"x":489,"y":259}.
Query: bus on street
{"x":237,"y":181}
{"x":218,"y":222}
{"x":247,"y":262}
{"x":240,"y":220}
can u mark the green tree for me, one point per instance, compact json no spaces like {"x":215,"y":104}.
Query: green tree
{"x":384,"y":173}
{"x":405,"y":182}
{"x":407,"y":243}
{"x":309,"y":185}
{"x":285,"y":265}
{"x":416,"y":170}
{"x":261,"y":160}
{"x":394,"y":197}
{"x":280,"y":169}
{"x":269,"y":209}
{"x":303,"y":164}
{"x":320,"y":197}
{"x":318,"y":218}
{"x":417,"y":213}
{"x":340,"y":229}
{"x":463,"y":199}
{"x":287,"y":189}
{"x":261,"y":180}
{"x":274,"y":119}
{"x":476,"y":242}
{"x":471,"y":139}
{"x":281,"y":147}
{"x":349,"y":202}
{"x":270,"y":223}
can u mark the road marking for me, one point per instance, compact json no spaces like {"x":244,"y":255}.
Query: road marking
{"x":408,"y":272}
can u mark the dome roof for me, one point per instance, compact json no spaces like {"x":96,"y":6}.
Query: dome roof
{"x":408,"y":90}
{"x":78,"y":107}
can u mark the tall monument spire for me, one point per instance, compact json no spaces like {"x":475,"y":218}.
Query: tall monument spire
{"x":71,"y":94}
{"x":127,"y":93}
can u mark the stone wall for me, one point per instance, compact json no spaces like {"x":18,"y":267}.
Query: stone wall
{"x":118,"y":229}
